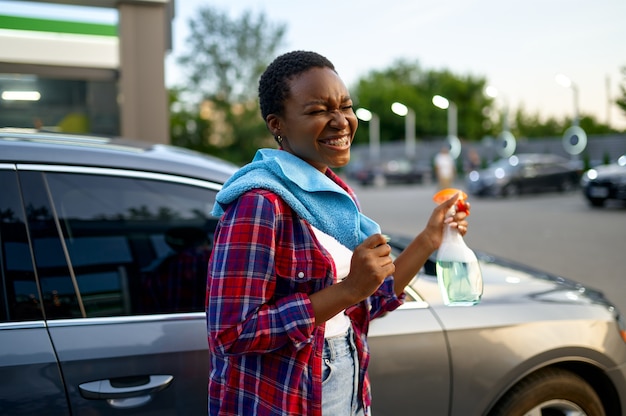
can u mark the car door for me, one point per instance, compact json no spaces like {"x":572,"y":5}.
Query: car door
{"x":121,"y":258}
{"x":556,"y":176}
{"x":31,"y":383}
{"x":530,"y":176}
{"x":409,"y":366}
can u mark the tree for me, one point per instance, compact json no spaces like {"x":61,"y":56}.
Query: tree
{"x":529,"y":125}
{"x":224,"y":59}
{"x":226,"y":56}
{"x":187,"y":128}
{"x":407,"y":82}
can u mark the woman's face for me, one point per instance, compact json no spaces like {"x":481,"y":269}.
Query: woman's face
{"x":318,"y":124}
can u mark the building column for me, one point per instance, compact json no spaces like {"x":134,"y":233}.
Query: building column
{"x":143,"y":33}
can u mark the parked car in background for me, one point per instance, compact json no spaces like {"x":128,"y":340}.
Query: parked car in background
{"x":395,"y":171}
{"x":524,"y":173}
{"x":605,"y":182}
{"x":103,"y":255}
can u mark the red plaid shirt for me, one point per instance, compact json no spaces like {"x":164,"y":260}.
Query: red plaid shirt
{"x":266,"y":352}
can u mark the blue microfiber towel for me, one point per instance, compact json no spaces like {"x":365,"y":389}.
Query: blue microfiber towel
{"x":310,"y":193}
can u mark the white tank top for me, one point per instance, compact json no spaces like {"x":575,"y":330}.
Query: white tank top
{"x":342,"y":256}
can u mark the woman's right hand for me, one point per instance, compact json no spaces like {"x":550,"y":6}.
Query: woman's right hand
{"x":371,"y":263}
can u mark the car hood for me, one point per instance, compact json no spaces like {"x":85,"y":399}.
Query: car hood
{"x":491,"y":174}
{"x":486,"y":173}
{"x":610,"y":171}
{"x":508,"y":282}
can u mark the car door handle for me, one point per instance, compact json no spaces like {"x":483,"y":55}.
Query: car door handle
{"x":126,"y":391}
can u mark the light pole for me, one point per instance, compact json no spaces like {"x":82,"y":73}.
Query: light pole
{"x":366,"y":115}
{"x":492,"y":92}
{"x":566,"y":82}
{"x":409,"y":126}
{"x":574,"y":138}
{"x":445,"y":104}
{"x":506,"y":139}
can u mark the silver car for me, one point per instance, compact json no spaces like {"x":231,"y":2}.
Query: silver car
{"x":103,"y":253}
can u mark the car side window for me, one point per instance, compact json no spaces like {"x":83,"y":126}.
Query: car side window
{"x":136,"y":246}
{"x":19,"y":297}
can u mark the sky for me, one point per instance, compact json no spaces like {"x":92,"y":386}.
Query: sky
{"x":518,"y":46}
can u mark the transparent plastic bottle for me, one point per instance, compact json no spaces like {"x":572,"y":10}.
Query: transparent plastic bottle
{"x":458,"y":272}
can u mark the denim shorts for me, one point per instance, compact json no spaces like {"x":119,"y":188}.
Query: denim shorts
{"x":340,"y":377}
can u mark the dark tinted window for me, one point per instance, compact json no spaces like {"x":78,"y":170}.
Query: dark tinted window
{"x":19,"y":298}
{"x":136,"y":245}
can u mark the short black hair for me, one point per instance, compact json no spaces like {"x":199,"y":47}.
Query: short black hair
{"x":273,"y":85}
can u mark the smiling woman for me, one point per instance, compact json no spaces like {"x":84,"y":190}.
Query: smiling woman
{"x":292,"y":323}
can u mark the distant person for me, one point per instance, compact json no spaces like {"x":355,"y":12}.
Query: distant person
{"x":444,"y":168}
{"x":473,"y":161}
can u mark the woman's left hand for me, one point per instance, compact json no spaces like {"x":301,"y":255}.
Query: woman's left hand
{"x":459,"y":220}
{"x":434,"y":227}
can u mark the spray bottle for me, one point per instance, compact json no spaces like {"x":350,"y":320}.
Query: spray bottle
{"x":458,"y":272}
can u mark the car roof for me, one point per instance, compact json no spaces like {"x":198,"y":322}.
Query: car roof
{"x":31,"y":146}
{"x":539,"y":157}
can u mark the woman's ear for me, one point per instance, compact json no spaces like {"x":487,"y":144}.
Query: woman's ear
{"x":273,"y":124}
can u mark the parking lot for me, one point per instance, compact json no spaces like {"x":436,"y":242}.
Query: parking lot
{"x":555,"y":232}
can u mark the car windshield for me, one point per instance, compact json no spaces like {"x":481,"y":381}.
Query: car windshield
{"x":502,"y":164}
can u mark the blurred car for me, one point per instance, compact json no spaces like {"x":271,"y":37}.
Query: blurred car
{"x":395,"y":171}
{"x":103,"y":256}
{"x":605,"y":182}
{"x":524,"y":173}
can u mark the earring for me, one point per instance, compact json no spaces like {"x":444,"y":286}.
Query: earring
{"x":279,"y":139}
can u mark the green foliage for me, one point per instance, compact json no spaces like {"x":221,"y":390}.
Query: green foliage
{"x":407,"y":83}
{"x":224,"y":59}
{"x":593,"y":126}
{"x":226,"y":56}
{"x":187,"y":128}
{"x":533,"y":126}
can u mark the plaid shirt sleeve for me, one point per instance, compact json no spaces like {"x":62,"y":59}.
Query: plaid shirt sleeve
{"x":244,"y":315}
{"x":265,"y":356}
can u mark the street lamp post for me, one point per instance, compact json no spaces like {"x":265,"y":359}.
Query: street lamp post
{"x":493,"y":92}
{"x":409,"y":126}
{"x":453,"y":139}
{"x":506,"y":140}
{"x":374,"y":137}
{"x":574,"y":138}
{"x":566,"y":82}
{"x":446,"y":104}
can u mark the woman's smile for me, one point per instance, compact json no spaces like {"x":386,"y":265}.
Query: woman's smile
{"x":341,"y":142}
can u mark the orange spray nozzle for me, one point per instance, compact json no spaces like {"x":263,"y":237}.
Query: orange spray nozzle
{"x":445,"y":194}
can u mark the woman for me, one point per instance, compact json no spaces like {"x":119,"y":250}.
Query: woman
{"x":297,"y":272}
